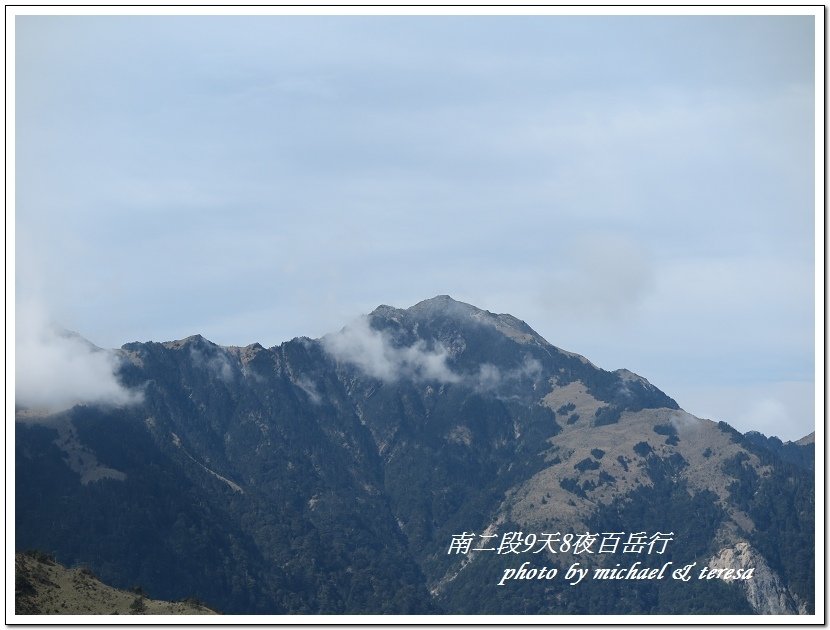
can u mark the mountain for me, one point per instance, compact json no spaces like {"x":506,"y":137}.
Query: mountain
{"x":344,"y":475}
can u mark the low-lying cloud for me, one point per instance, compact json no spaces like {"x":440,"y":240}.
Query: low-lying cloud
{"x":218,"y":364}
{"x":373,"y":352}
{"x":491,"y":378}
{"x":56,"y":370}
{"x":308,"y":386}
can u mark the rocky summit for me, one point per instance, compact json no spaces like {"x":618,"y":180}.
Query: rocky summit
{"x":439,"y":459}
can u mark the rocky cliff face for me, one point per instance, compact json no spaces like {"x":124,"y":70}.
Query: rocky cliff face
{"x":331,"y":475}
{"x":765,"y":591}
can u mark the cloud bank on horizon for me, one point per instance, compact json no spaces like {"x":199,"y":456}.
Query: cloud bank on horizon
{"x":639,"y":189}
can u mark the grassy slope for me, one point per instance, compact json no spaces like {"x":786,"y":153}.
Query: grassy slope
{"x":44,"y":587}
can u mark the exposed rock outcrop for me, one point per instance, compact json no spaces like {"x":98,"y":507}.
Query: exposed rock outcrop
{"x":765,"y":590}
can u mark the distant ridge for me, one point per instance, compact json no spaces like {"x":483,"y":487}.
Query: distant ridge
{"x":807,"y":439}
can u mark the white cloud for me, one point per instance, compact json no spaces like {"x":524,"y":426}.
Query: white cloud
{"x":684,"y":421}
{"x":490,"y":378}
{"x":375,"y":354}
{"x":56,"y":369}
{"x":308,"y":386}
{"x":219,"y":363}
{"x":372,"y":351}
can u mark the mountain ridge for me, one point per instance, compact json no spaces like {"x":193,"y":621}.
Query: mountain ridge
{"x":337,"y":470}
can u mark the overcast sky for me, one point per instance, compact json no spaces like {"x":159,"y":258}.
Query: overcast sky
{"x":640,"y":190}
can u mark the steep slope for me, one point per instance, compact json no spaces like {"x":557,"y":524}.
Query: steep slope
{"x":233,"y":484}
{"x":331,"y":475}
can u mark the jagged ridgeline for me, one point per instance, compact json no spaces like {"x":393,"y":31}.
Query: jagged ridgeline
{"x":343,"y":475}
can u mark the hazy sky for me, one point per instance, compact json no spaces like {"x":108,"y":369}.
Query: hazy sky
{"x":640,"y":190}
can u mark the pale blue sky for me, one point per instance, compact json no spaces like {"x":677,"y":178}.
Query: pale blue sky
{"x":638,"y":189}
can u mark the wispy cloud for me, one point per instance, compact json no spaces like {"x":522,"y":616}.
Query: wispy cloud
{"x":217,"y":363}
{"x":308,"y":386}
{"x":374,"y":353}
{"x":491,"y":378}
{"x":56,"y":369}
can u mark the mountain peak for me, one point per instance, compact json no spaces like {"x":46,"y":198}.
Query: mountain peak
{"x":438,"y":306}
{"x":193,"y":341}
{"x":443,"y":305}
